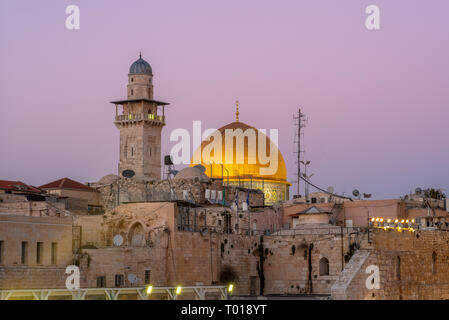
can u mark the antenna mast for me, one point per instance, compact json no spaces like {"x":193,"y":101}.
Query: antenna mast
{"x":300,"y":122}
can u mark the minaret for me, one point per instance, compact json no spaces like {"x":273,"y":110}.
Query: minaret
{"x":140,"y":120}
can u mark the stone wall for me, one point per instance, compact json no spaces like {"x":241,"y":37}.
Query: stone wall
{"x":26,"y":277}
{"x":90,"y":230}
{"x":32,"y":208}
{"x":16,"y":229}
{"x":48,"y":274}
{"x":135,"y":190}
{"x":412,"y":265}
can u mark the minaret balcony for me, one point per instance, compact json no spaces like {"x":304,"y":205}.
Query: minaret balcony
{"x":137,"y":117}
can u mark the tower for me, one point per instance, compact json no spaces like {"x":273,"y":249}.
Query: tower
{"x":140,"y":119}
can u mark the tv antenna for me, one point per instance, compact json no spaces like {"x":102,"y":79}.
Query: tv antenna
{"x":300,"y":122}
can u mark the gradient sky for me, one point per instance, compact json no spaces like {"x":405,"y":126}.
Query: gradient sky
{"x":377,"y":101}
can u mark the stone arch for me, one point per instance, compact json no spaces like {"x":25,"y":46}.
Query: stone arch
{"x":136,"y":235}
{"x":324,"y":266}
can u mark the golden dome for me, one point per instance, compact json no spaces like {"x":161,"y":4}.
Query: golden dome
{"x":248,"y":171}
{"x":245,"y":169}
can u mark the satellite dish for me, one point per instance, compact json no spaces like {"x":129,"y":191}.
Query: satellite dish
{"x":356,"y":193}
{"x":367,"y":195}
{"x":132,"y":278}
{"x":118,"y":240}
{"x":174,"y":172}
{"x":128,"y":173}
{"x":201,"y":167}
{"x":418,"y":190}
{"x":330,"y":189}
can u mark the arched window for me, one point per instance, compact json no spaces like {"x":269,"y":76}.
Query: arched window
{"x":324,"y":267}
{"x":398,"y":268}
{"x":434,"y":262}
{"x":136,"y":235}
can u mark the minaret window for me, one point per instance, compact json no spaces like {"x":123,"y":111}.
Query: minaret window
{"x":132,"y":91}
{"x":132,"y":79}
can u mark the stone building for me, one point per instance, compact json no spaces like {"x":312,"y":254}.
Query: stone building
{"x":77,"y":197}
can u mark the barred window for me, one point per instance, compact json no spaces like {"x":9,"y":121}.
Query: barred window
{"x":147,"y":276}
{"x":101,"y":282}
{"x":119,"y":280}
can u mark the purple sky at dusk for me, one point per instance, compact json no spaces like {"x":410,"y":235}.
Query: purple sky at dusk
{"x":377,"y":101}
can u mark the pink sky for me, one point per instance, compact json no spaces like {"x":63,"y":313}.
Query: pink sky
{"x":377,"y":101}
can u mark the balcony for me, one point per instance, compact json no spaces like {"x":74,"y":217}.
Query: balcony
{"x":148,"y":117}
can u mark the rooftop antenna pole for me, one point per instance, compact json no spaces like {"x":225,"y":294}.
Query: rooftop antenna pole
{"x":300,"y":122}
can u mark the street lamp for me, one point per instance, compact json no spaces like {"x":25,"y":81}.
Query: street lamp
{"x":306,"y":177}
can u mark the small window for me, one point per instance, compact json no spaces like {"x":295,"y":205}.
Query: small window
{"x":101,"y":282}
{"x":2,"y":249}
{"x":24,"y":253}
{"x":119,"y":280}
{"x":434,"y":262}
{"x":147,"y":276}
{"x":54,"y":253}
{"x":132,"y":152}
{"x":132,"y":79}
{"x":324,"y":267}
{"x":39,"y":252}
{"x":398,"y":268}
{"x":132,"y":91}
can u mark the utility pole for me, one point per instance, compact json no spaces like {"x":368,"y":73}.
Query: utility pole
{"x":300,"y":122}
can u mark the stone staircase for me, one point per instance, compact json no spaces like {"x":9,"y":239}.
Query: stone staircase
{"x":352,"y":268}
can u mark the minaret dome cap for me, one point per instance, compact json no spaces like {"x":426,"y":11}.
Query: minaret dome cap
{"x":140,"y":66}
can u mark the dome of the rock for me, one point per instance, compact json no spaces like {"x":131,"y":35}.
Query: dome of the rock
{"x":251,"y":172}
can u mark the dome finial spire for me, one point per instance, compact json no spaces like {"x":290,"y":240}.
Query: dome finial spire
{"x":140,"y":54}
{"x":237,"y":111}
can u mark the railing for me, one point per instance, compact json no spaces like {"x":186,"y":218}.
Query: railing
{"x":139,"y":117}
{"x":113,"y":293}
{"x":222,"y":230}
